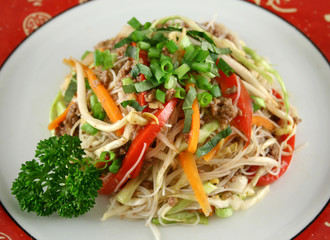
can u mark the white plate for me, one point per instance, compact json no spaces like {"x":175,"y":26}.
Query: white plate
{"x":30,"y":79}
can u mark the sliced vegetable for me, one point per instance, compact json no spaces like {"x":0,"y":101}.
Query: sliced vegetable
{"x":108,"y":104}
{"x":181,"y":205}
{"x":188,"y":164}
{"x":133,"y":160}
{"x":182,"y":217}
{"x":187,"y":108}
{"x":86,"y":127}
{"x":195,"y":126}
{"x":243,"y":122}
{"x":264,"y":122}
{"x":208,"y":146}
{"x":224,"y":212}
{"x":57,"y":121}
{"x":71,"y":89}
{"x":134,"y":104}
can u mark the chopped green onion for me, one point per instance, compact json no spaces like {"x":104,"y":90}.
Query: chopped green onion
{"x":180,"y":93}
{"x":215,"y":90}
{"x":204,"y":99}
{"x":172,"y":46}
{"x":104,"y":59}
{"x":157,"y":38}
{"x":137,"y":36}
{"x":199,"y":35}
{"x":85,"y":54}
{"x":127,"y":81}
{"x":134,"y":104}
{"x":202,"y":55}
{"x":258,"y":103}
{"x":208,"y":146}
{"x":71,"y":89}
{"x":185,"y":42}
{"x":147,"y":25}
{"x":145,"y":85}
{"x":203,"y":82}
{"x":156,"y":70}
{"x":154,"y":52}
{"x":97,"y":109}
{"x":225,"y":67}
{"x":170,"y":82}
{"x":207,"y":129}
{"x":107,"y":154}
{"x":224,"y":51}
{"x":140,"y":68}
{"x":190,"y":53}
{"x":130,"y":88}
{"x":209,"y":187}
{"x":132,"y":52}
{"x":224,"y":212}
{"x":134,"y":23}
{"x":187,"y":108}
{"x":122,"y":42}
{"x":115,"y":166}
{"x":143,"y":45}
{"x":166,"y":64}
{"x":86,"y":127}
{"x":201,"y":67}
{"x":182,"y":70}
{"x":160,"y":96}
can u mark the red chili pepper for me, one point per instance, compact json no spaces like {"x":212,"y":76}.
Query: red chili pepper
{"x":242,"y":122}
{"x":285,"y":162}
{"x":132,"y":163}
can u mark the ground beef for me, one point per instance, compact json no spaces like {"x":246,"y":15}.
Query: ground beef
{"x":71,"y":118}
{"x":169,"y":94}
{"x":103,"y":76}
{"x":231,"y":90}
{"x":223,"y":109}
{"x":150,"y":96}
{"x":125,"y":71}
{"x":273,"y":151}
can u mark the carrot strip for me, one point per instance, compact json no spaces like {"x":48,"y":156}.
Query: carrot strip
{"x":264,"y":122}
{"x":108,"y":104}
{"x":207,"y":157}
{"x":195,"y":125}
{"x":57,"y":121}
{"x":189,"y":166}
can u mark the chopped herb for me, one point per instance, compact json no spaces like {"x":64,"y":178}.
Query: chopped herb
{"x":140,"y":68}
{"x":204,"y":99}
{"x":85,"y":54}
{"x":130,"y":88}
{"x":160,"y":95}
{"x":187,"y":108}
{"x":134,"y":23}
{"x":215,"y":91}
{"x":122,"y":42}
{"x":132,"y":52}
{"x":89,"y":128}
{"x":71,"y":89}
{"x":172,"y":46}
{"x":104,"y":59}
{"x":208,"y":146}
{"x":134,"y":104}
{"x":225,"y":67}
{"x":180,"y":93}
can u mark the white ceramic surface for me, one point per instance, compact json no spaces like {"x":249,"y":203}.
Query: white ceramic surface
{"x":30,"y":79}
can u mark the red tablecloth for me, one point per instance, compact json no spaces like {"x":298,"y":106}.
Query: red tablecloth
{"x":19,"y":18}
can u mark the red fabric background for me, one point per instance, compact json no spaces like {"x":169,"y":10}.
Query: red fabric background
{"x":19,"y":17}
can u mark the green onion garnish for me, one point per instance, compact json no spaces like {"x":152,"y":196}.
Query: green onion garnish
{"x":185,"y":42}
{"x":204,"y":99}
{"x":130,"y":88}
{"x":170,"y":82}
{"x":115,"y":165}
{"x":258,"y":103}
{"x":134,"y":23}
{"x":86,"y":127}
{"x":145,"y":85}
{"x":134,"y":104}
{"x":225,"y":67}
{"x":104,"y":59}
{"x":122,"y":42}
{"x":132,"y":52}
{"x":187,"y":108}
{"x":180,"y":93}
{"x":140,"y":68}
{"x":172,"y":46}
{"x":156,"y":70}
{"x":215,"y":91}
{"x":160,"y":96}
{"x":71,"y":89}
{"x":182,"y":70}
{"x":208,"y":146}
{"x":143,"y":45}
{"x":201,"y":67}
{"x":137,"y":36}
{"x":127,"y":81}
{"x":154,"y":52}
{"x":203,"y":82}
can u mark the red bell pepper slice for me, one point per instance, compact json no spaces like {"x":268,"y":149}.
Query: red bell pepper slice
{"x":242,"y":122}
{"x":132,"y":163}
{"x":285,"y":162}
